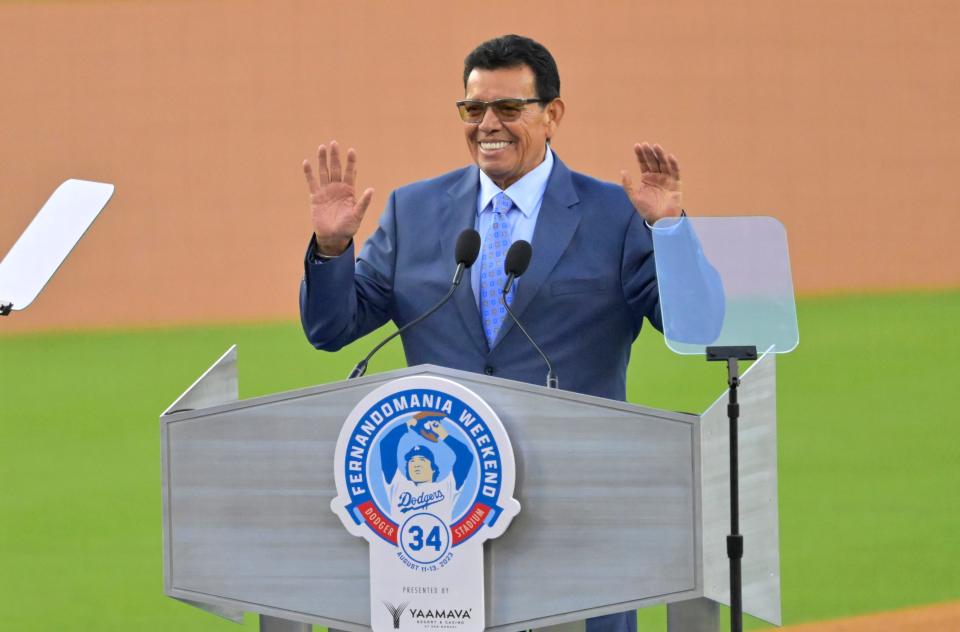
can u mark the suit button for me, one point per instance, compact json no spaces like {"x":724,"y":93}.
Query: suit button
{"x":488,"y":370}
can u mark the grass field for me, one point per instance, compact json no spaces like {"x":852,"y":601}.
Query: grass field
{"x":868,"y":430}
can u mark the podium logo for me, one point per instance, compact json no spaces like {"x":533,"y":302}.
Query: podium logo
{"x":422,"y":469}
{"x":396,"y":612}
{"x":425,"y":474}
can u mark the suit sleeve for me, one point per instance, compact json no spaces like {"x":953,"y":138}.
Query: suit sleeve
{"x":638,"y":274}
{"x":342,"y":300}
{"x":694,"y":303}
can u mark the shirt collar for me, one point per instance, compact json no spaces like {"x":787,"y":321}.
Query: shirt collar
{"x":526,"y":193}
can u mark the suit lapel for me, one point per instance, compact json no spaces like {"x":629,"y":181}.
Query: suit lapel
{"x":556,"y":224}
{"x":461,"y":213}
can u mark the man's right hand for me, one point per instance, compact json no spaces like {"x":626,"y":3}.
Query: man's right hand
{"x":334,"y":208}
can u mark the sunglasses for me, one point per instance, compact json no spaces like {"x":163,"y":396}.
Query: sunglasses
{"x":507,"y":110}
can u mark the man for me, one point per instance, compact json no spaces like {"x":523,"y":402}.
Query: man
{"x":591,"y":281}
{"x":417,"y":488}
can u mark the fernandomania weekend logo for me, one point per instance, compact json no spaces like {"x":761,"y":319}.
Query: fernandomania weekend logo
{"x":425,"y":474}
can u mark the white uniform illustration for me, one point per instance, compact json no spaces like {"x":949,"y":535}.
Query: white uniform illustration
{"x":412,"y":482}
{"x":408,"y":498}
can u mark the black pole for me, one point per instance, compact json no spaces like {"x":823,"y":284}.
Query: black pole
{"x":734,"y":541}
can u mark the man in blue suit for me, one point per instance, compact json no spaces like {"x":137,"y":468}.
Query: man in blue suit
{"x":591,"y":280}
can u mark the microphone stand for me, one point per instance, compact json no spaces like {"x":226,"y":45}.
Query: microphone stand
{"x":552,"y":381}
{"x":361,"y":367}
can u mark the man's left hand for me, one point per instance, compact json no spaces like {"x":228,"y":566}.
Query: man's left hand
{"x":657,"y":195}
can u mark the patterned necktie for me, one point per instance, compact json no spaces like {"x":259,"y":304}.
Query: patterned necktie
{"x":492,"y":276}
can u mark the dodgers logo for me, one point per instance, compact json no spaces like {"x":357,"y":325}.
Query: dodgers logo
{"x":425,"y":473}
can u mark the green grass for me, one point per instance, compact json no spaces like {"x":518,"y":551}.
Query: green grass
{"x":869,"y":457}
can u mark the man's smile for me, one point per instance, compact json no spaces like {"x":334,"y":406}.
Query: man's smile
{"x":493,"y":145}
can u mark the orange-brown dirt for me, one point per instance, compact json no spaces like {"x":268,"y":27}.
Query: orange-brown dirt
{"x":939,"y":618}
{"x":840,"y":118}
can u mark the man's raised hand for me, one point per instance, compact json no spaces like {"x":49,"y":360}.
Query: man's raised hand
{"x":334,"y":208}
{"x":658,"y":193}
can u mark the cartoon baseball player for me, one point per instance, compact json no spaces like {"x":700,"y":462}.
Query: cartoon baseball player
{"x":417,"y":488}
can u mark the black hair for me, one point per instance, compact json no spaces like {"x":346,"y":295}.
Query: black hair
{"x":510,"y":51}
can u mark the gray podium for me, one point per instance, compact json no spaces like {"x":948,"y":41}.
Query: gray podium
{"x":622,"y":506}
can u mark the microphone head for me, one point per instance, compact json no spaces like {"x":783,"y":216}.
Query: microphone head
{"x":518,"y":258}
{"x":468,"y":247}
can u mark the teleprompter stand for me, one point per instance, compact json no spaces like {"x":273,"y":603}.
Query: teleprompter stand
{"x":731,"y":355}
{"x":726,"y":290}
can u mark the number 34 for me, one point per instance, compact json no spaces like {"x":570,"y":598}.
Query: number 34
{"x":433,"y":538}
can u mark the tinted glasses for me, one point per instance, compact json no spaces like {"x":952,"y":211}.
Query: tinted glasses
{"x":507,"y":110}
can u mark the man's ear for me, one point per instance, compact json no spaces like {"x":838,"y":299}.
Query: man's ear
{"x":553,"y":114}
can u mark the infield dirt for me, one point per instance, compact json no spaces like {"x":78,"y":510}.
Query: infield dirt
{"x":938,"y":618}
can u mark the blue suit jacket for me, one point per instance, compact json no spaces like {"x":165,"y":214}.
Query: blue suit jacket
{"x":590,"y":284}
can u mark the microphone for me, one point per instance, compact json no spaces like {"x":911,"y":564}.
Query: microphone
{"x":466,"y":252}
{"x":517,"y":260}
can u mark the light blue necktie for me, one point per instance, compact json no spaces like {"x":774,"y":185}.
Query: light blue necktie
{"x":492,"y":277}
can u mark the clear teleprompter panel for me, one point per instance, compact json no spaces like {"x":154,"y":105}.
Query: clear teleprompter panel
{"x":725,"y":281}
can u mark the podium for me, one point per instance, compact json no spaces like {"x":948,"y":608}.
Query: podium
{"x":622,"y":506}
